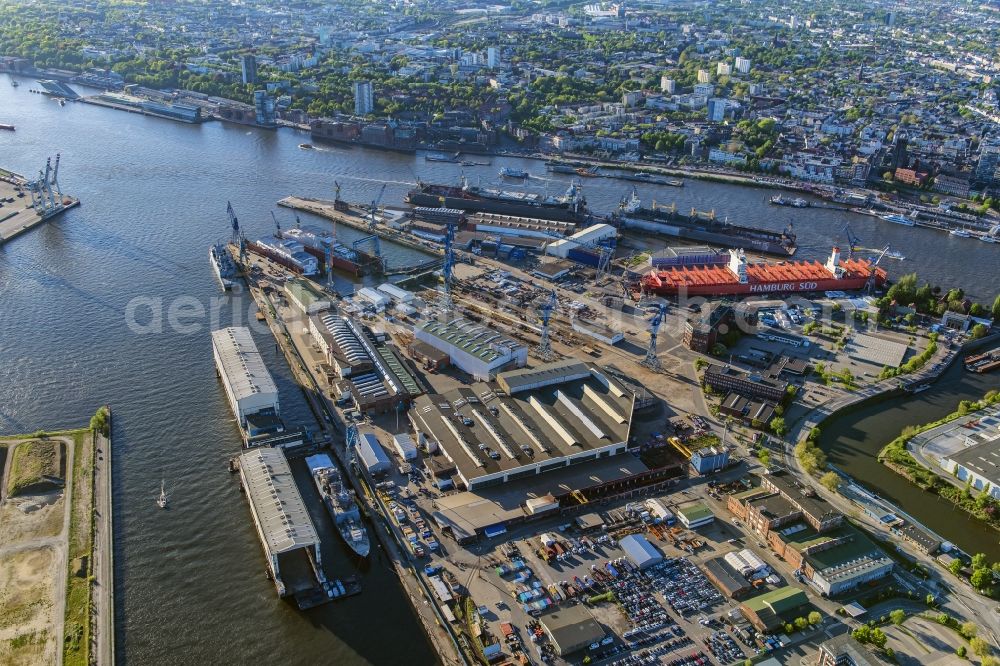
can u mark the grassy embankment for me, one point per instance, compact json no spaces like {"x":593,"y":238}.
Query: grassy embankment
{"x":896,"y":457}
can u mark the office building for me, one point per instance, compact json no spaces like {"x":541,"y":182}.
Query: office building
{"x":263,"y":106}
{"x":493,"y":57}
{"x":704,"y":76}
{"x":667,"y":85}
{"x":723,"y":69}
{"x":743,"y":65}
{"x":845,"y":650}
{"x":727,"y":378}
{"x":248,"y":67}
{"x":716,"y":110}
{"x":989,"y":161}
{"x":364,"y":102}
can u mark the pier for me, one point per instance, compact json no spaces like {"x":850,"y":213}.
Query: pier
{"x":356,"y":217}
{"x":25,"y":204}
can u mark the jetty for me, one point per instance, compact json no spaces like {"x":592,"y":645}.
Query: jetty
{"x":25,"y":204}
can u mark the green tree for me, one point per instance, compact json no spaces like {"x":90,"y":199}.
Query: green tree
{"x":801,"y":623}
{"x":979,"y":646}
{"x":929,"y":600}
{"x":961,"y":651}
{"x":897,"y":617}
{"x":778,"y":426}
{"x":831,"y":481}
{"x":978,"y":331}
{"x":968,"y":630}
{"x":996,"y":308}
{"x":955,"y":567}
{"x":815,"y":618}
{"x":981,"y":578}
{"x":979,"y":561}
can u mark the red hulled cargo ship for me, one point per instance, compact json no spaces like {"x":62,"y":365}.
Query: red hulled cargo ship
{"x":742,"y":277}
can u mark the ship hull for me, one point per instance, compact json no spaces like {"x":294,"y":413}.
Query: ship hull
{"x":340,"y":263}
{"x":476,"y":204}
{"x":224,"y":281}
{"x":740,"y":238}
{"x":755,"y":288}
{"x":277,"y":258}
{"x":344,"y":522}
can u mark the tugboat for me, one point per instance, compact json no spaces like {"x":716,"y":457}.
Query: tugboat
{"x":306,"y":146}
{"x":162,"y":500}
{"x":341,"y":502}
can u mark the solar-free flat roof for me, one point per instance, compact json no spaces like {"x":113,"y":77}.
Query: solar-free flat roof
{"x":554,"y":421}
{"x":242,"y":366}
{"x":276,"y":501}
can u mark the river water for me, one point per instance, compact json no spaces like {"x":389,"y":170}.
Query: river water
{"x":853,"y":440}
{"x":190,"y":584}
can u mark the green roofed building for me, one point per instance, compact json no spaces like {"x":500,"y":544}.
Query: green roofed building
{"x":770,"y":611}
{"x":693,"y":516}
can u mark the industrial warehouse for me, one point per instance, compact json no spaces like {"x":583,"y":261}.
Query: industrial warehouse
{"x":527,"y":422}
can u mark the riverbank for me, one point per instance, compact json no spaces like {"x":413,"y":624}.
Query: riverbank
{"x":48,"y":548}
{"x":897,"y":456}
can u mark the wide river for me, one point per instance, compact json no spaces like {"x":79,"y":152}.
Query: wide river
{"x":190,"y":584}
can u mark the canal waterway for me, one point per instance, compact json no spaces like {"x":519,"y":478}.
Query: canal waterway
{"x":853,"y":439}
{"x":190,"y":580}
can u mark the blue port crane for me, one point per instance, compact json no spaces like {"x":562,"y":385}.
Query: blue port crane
{"x":277,"y":225}
{"x":238,"y":238}
{"x":652,"y":361}
{"x":853,"y":242}
{"x":873,"y":269}
{"x":546,"y":310}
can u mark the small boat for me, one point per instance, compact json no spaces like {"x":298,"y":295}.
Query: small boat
{"x":798,"y":202}
{"x":62,"y":102}
{"x":986,"y":238}
{"x":511,"y":172}
{"x":960,"y":233}
{"x":162,"y":500}
{"x":894,"y":254}
{"x":440,"y":157}
{"x":306,"y":146}
{"x":9,"y":128}
{"x":14,"y":83}
{"x":588,"y":173}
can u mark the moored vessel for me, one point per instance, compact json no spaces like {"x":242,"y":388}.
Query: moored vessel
{"x":742,"y":277}
{"x":512,"y":172}
{"x":896,"y":218}
{"x":326,"y":249}
{"x":340,"y":501}
{"x":223,"y":265}
{"x":702,"y":227}
{"x":571,"y":206}
{"x":287,"y":252}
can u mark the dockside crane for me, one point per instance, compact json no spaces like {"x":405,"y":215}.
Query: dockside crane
{"x":239,"y":240}
{"x":547,"y":308}
{"x":375,"y":203}
{"x":652,"y":361}
{"x":853,"y":242}
{"x":277,"y":225}
{"x":448,"y":267}
{"x":873,"y":269}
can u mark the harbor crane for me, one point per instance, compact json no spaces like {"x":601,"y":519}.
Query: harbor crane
{"x":448,"y":267}
{"x":853,"y":242}
{"x":547,"y":308}
{"x":375,"y":203}
{"x":872,"y":269}
{"x":652,"y":361}
{"x":238,"y":238}
{"x":277,"y":225}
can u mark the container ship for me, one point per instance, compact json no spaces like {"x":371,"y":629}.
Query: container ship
{"x":702,"y":227}
{"x":571,"y":206}
{"x":327,"y":249}
{"x":741,"y":277}
{"x":285,"y":251}
{"x":223,"y":265}
{"x":340,"y":502}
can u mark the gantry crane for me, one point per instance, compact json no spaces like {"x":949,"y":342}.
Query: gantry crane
{"x":652,"y":361}
{"x":277,"y":225}
{"x":546,"y":310}
{"x":448,"y":267}
{"x":853,"y":242}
